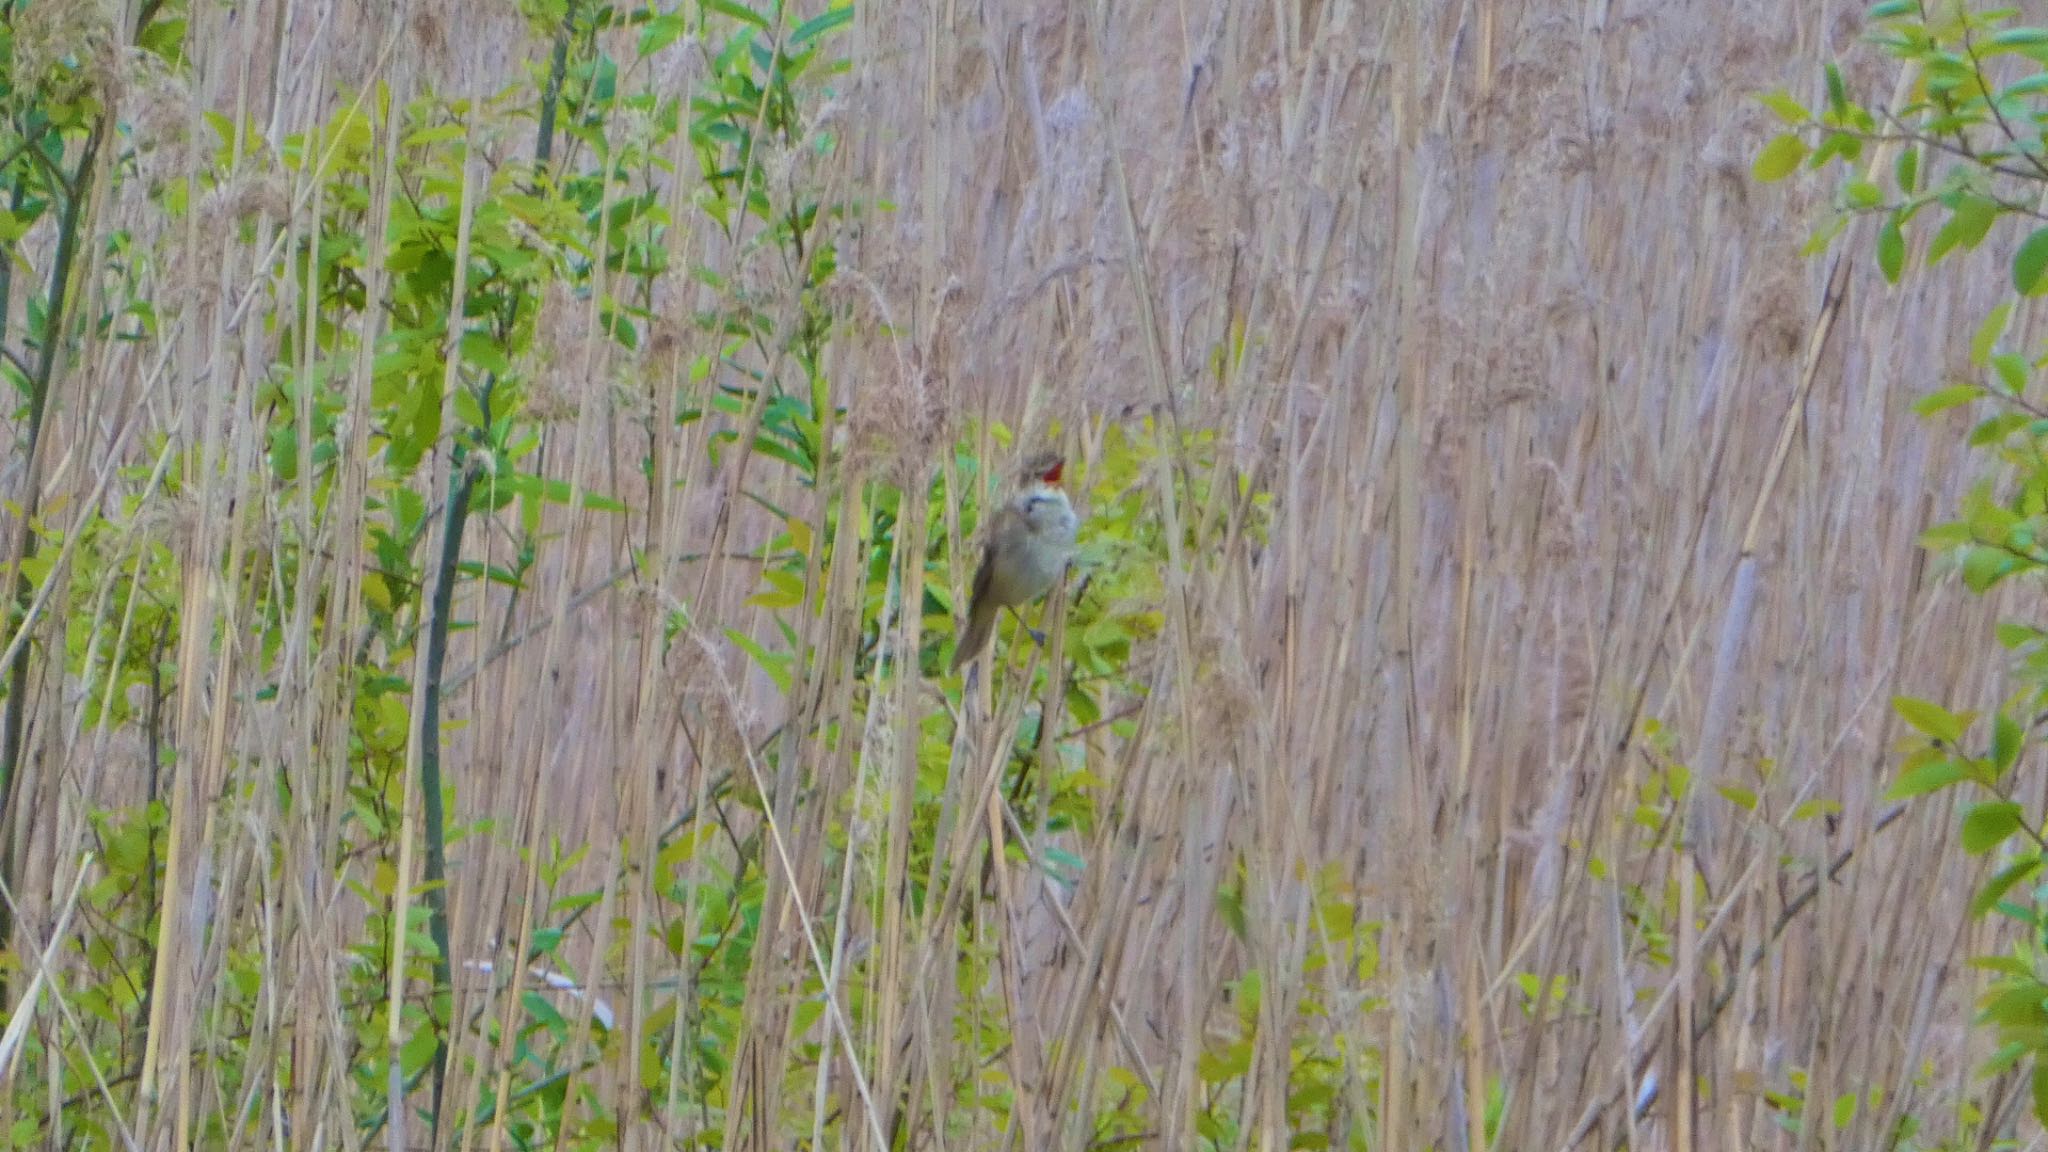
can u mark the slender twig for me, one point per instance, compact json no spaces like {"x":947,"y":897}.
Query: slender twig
{"x":1123,"y":713}
{"x":505,"y":647}
{"x":2040,"y":172}
{"x":55,"y":298}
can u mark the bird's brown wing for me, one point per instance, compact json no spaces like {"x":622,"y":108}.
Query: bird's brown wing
{"x":984,"y":576}
{"x":981,"y":611}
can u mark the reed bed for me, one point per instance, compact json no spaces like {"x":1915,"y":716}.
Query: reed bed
{"x":1516,"y":758}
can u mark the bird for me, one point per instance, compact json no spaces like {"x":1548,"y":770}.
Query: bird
{"x":1029,"y":546}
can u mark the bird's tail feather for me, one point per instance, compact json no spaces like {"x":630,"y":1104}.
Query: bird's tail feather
{"x":980,"y":622}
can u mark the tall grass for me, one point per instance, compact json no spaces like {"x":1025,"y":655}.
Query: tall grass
{"x":1511,"y":554}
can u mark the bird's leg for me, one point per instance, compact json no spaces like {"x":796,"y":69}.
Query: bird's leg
{"x":1035,"y":633}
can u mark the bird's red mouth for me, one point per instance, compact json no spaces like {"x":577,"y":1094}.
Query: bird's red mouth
{"x":1052,"y":475}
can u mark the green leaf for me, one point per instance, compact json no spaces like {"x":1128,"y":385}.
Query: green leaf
{"x":166,"y":38}
{"x":2033,"y":85}
{"x":1818,"y":806}
{"x":661,"y":31}
{"x":1967,"y":223}
{"x":1950,"y":74}
{"x":1988,"y":333}
{"x":1984,"y":567}
{"x":1891,"y":9}
{"x":284,"y":452}
{"x":128,"y":849}
{"x":2013,"y":1003}
{"x":2029,"y":262}
{"x":1788,"y":109}
{"x":491,"y":572}
{"x":785,"y":590}
{"x":418,"y":1050}
{"x":483,"y":350}
{"x":1907,"y":170}
{"x":1064,"y":864}
{"x":1891,"y":249}
{"x":740,"y":12}
{"x":1931,"y":719}
{"x":543,"y":1013}
{"x":1989,"y":523}
{"x":1987,"y":825}
{"x":2013,"y":635}
{"x":468,"y":409}
{"x":1942,"y":537}
{"x":2012,"y":371}
{"x":1217,"y":1066}
{"x":619,"y":326}
{"x":556,"y":492}
{"x":1930,"y":776}
{"x":1742,"y":798}
{"x":2002,"y":882}
{"x":1779,"y":158}
{"x":1846,"y":145}
{"x":776,"y":665}
{"x":835,"y":17}
{"x":2009,"y":965}
{"x":2007,"y":739}
{"x":2014,"y":39}
{"x":1862,"y":195}
{"x":1947,"y":398}
{"x":436,"y":134}
{"x":1994,"y":429}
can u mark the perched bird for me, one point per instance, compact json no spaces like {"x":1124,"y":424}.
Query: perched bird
{"x":1029,"y":545}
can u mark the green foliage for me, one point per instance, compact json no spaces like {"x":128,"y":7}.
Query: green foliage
{"x":450,"y":372}
{"x":53,"y":128}
{"x":1968,"y":170}
{"x":447,"y":300}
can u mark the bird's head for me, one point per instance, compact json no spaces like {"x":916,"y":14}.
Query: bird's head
{"x":1044,"y":468}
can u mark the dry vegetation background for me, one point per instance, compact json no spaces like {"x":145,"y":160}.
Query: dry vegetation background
{"x":1522,"y":340}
